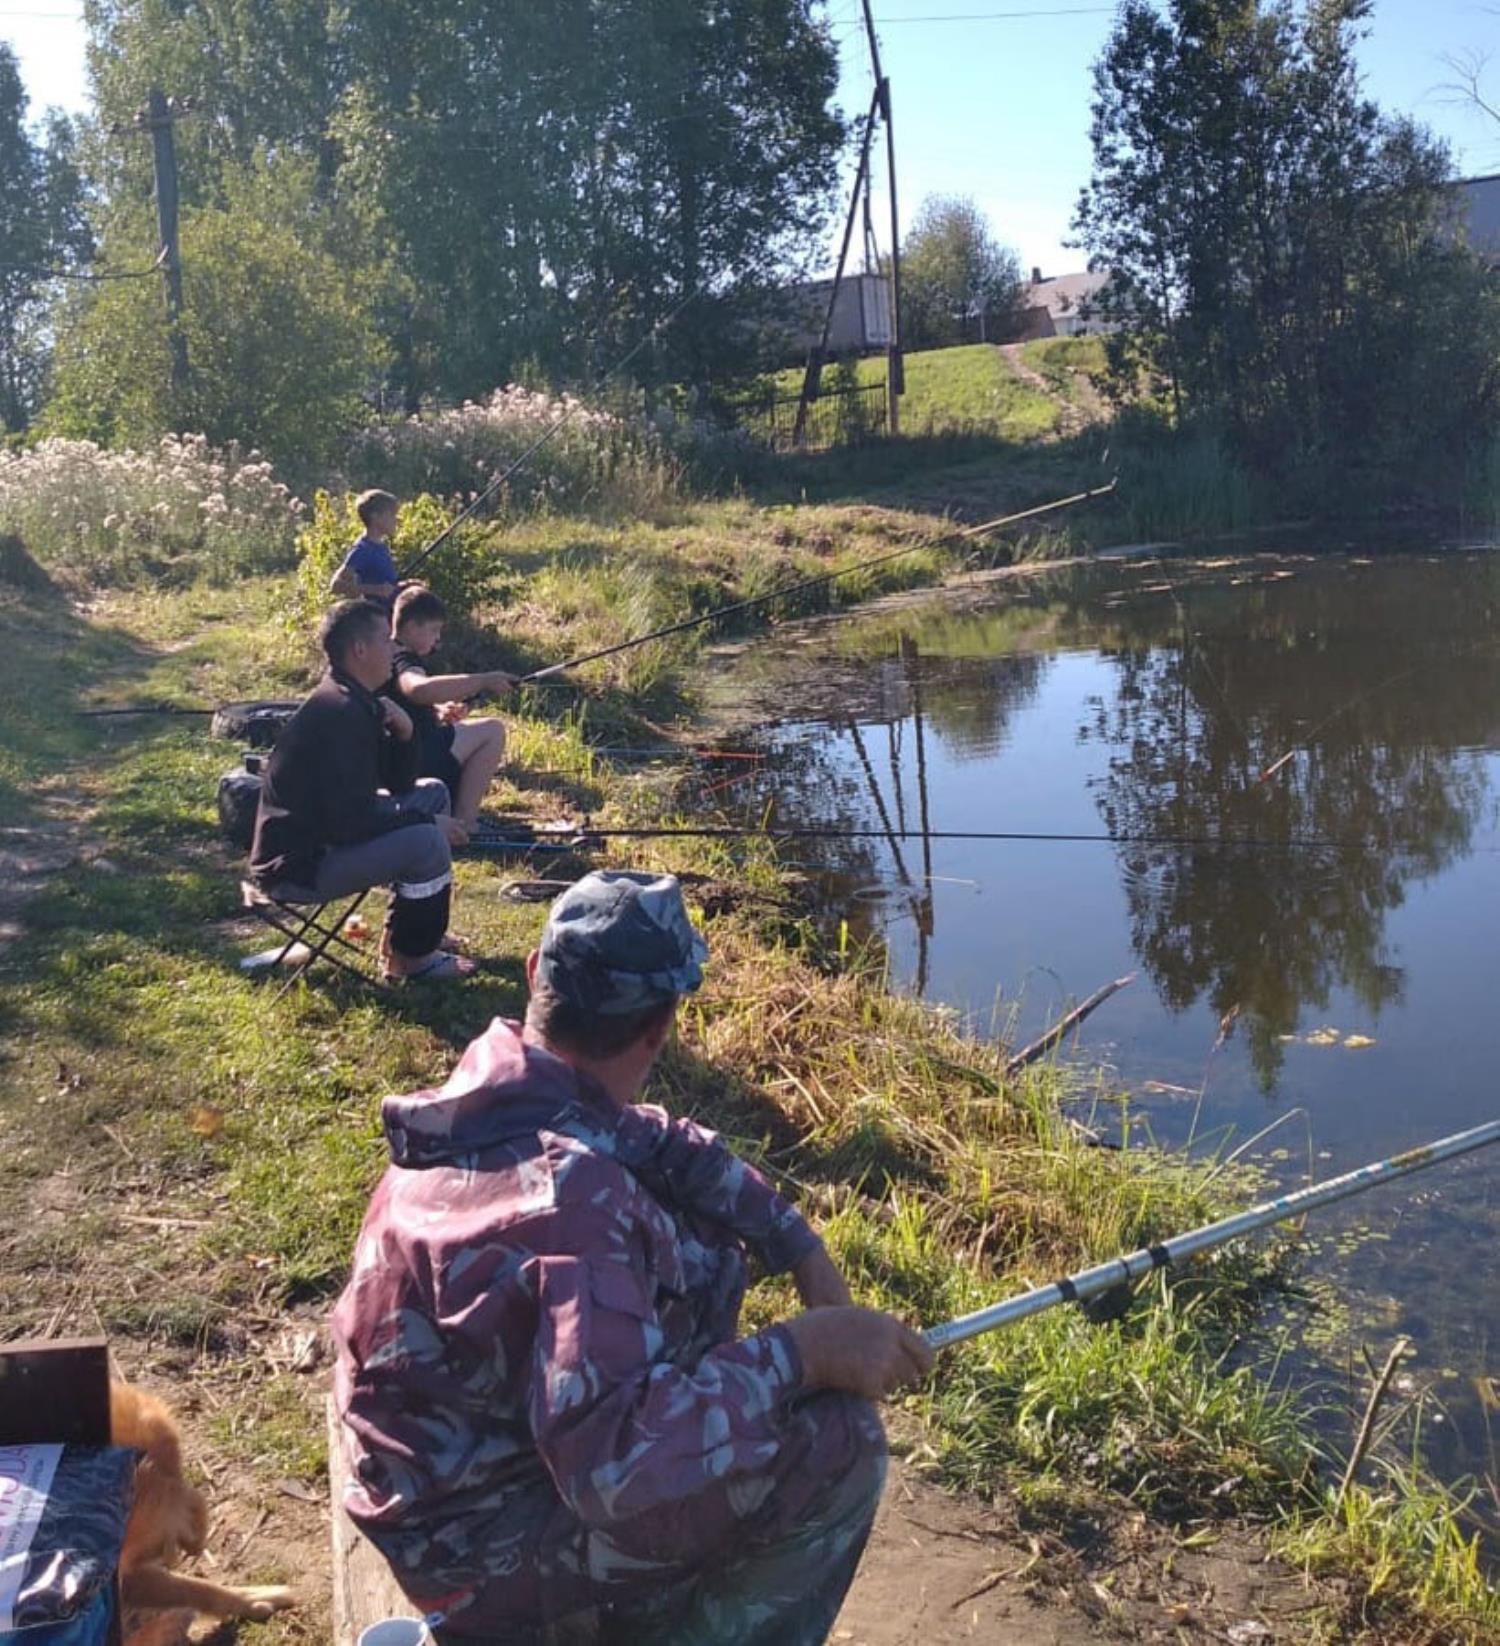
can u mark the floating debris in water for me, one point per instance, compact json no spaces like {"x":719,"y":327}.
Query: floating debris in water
{"x":1328,"y":1036}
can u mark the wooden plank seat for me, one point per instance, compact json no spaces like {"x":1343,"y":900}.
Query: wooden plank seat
{"x":364,"y":1591}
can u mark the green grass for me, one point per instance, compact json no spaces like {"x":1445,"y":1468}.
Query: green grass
{"x":964,"y":390}
{"x":128,"y":1030}
{"x":1067,"y":363}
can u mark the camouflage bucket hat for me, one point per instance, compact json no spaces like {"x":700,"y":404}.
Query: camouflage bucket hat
{"x":620,"y":942}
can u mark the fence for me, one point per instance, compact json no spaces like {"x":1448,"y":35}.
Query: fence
{"x":842,"y":416}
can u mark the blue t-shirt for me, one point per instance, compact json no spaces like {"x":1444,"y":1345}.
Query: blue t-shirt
{"x":371,"y":562}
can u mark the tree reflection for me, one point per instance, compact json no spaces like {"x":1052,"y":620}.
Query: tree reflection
{"x":1380,"y":688}
{"x":1380,"y":684}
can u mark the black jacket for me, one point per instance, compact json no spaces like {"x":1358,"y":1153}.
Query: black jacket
{"x":321,"y":783}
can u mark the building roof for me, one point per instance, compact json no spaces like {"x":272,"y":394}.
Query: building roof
{"x":1065,"y":293}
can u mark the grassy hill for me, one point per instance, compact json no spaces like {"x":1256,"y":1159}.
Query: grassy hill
{"x":1015,"y":394}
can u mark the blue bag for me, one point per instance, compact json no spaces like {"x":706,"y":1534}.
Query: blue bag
{"x":63,"y":1511}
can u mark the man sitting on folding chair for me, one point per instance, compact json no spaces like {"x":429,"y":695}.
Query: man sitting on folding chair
{"x":341,"y":809}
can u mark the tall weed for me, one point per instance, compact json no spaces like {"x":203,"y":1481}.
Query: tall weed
{"x":1182,"y":483}
{"x":598,"y":461}
{"x":179,"y":511}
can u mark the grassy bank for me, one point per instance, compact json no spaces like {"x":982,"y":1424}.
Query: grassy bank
{"x":192,"y":1155}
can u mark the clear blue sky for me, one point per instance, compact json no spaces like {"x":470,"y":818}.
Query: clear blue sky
{"x":994,"y":108}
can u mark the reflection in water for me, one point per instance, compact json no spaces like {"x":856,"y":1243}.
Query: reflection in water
{"x":1215,"y":686}
{"x":1264,"y":704}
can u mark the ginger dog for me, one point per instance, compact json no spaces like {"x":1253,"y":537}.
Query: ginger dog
{"x":169,"y":1519}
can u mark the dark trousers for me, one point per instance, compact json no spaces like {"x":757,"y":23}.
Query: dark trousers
{"x":780,"y":1585}
{"x":416,"y":862}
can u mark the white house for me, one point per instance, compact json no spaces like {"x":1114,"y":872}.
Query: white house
{"x":1066,"y":305}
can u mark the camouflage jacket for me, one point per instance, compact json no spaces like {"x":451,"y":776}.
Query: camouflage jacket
{"x":540,"y":1326}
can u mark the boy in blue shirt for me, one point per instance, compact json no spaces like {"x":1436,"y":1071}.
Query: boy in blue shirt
{"x":368,"y":571}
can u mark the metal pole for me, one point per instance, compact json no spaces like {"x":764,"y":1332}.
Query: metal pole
{"x":1089,"y":1283}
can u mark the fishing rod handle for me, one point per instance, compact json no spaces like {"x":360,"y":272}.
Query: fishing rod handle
{"x":1089,"y":1283}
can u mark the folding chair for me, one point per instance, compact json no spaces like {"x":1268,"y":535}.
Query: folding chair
{"x":310,"y":925}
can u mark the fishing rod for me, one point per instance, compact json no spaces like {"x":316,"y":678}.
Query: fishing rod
{"x":804,"y":584}
{"x":729,"y":831}
{"x":1088,"y":1283}
{"x":140,"y":708}
{"x":550,"y":432}
{"x":673,"y":751}
{"x":174,"y":709}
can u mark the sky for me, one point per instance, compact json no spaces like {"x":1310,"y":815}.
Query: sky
{"x":992,"y":106}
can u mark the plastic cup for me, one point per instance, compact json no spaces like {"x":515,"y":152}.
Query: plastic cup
{"x":397,"y":1631}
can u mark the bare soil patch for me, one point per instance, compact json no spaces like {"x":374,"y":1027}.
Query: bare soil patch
{"x":942,"y":1569}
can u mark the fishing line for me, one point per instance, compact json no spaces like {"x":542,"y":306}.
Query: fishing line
{"x":713,"y":831}
{"x":1195,"y":654}
{"x":806,"y":583}
{"x":1324,"y":724}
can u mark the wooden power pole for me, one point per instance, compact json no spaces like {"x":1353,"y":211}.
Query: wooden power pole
{"x":895,"y":371}
{"x":895,"y":375}
{"x":158,"y":119}
{"x":813,"y":375}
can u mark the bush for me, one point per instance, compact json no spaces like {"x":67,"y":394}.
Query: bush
{"x":1181,"y":482}
{"x":463,"y":571}
{"x":178,"y":511}
{"x":601,"y":460}
{"x":280,"y":343}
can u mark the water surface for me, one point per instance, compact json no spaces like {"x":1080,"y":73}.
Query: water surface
{"x":1294,"y":764}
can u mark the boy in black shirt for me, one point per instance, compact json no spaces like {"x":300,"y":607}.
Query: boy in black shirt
{"x":464,"y":753}
{"x":342,"y":807}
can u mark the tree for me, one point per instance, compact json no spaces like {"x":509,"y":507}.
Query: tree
{"x":1470,"y":68}
{"x":278,"y":333}
{"x":41,"y":230}
{"x":1277,"y":250}
{"x":957,"y":280}
{"x":542,"y":184}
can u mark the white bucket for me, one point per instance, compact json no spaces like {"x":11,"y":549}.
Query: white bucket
{"x":397,"y":1631}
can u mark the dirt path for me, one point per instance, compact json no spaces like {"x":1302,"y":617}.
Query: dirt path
{"x":1079,"y":407}
{"x":942,"y":1570}
{"x":31,"y":853}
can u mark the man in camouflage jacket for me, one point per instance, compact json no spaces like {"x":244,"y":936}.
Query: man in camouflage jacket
{"x":554,"y":1431}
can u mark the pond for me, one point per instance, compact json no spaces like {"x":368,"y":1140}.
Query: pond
{"x":1279,"y":783}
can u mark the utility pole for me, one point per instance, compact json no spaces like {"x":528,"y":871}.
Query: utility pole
{"x":895,"y":372}
{"x":813,"y":375}
{"x":158,"y":118}
{"x":895,"y":375}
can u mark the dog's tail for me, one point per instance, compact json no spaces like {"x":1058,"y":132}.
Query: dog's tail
{"x":140,"y":1420}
